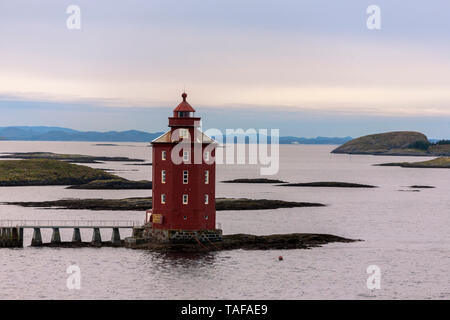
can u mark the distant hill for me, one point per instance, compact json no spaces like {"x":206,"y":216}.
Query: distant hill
{"x":399,"y":143}
{"x":64,"y":134}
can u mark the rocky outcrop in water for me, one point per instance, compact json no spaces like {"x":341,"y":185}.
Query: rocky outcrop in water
{"x":77,"y":158}
{"x":114,"y":184}
{"x":248,"y":242}
{"x":327,"y":185}
{"x":255,"y":180}
{"x":439,"y":163}
{"x":229,"y":242}
{"x":142,"y":204}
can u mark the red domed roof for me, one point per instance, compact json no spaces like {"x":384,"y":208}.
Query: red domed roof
{"x":184,"y":106}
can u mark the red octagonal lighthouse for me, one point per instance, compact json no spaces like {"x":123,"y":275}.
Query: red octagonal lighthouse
{"x":184,"y":177}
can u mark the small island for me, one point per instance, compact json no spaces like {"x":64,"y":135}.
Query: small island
{"x":73,"y":158}
{"x":438,"y":163}
{"x":255,"y":180}
{"x":42,"y":172}
{"x":45,"y":172}
{"x":114,"y":184}
{"x":421,"y":187}
{"x":144,"y":203}
{"x":398,"y":143}
{"x":327,"y":184}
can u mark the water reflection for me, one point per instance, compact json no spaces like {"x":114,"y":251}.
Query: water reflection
{"x":183,"y":262}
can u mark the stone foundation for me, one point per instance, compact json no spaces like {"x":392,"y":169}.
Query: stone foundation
{"x":186,"y":236}
{"x":148,"y":234}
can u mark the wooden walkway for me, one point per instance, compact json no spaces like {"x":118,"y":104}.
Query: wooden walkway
{"x":11,"y":231}
{"x":69,"y":223}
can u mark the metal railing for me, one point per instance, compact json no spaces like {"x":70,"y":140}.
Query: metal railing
{"x":70,"y":223}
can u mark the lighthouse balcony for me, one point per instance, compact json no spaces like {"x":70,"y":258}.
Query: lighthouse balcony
{"x":184,"y":122}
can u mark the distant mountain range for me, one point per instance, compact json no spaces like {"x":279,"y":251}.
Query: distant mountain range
{"x":64,"y":134}
{"x":40,"y":133}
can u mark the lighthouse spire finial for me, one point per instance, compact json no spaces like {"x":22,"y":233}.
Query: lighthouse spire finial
{"x":184,"y":95}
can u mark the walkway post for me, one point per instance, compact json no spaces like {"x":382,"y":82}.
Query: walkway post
{"x":2,"y":237}
{"x":37,"y":238}
{"x":76,"y":235}
{"x":115,"y":237}
{"x":96,"y":236}
{"x":56,"y":237}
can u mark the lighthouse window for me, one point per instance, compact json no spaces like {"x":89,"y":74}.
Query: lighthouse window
{"x":185,"y":199}
{"x":206,"y":198}
{"x":207,"y":156}
{"x":185,"y":176}
{"x":206,"y":177}
{"x":206,"y":217}
{"x":163,"y":176}
{"x":163,"y":198}
{"x":185,"y":155}
{"x":184,"y":133}
{"x":164,"y":155}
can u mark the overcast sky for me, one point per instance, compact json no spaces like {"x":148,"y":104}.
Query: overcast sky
{"x":307,"y":67}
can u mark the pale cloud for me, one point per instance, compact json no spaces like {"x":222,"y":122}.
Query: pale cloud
{"x":131,"y":59}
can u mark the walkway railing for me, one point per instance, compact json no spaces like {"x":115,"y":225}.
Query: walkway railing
{"x":70,"y":223}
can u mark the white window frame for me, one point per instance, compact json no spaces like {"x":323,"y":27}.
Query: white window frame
{"x":206,"y":198}
{"x":185,"y":198}
{"x":164,"y":155}
{"x":163,"y":198}
{"x":163,"y":176}
{"x":206,"y":176}
{"x":185,"y":155}
{"x":184,"y":133}
{"x":185,"y":176}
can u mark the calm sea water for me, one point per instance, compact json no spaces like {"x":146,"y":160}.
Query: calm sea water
{"x":406,"y":234}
